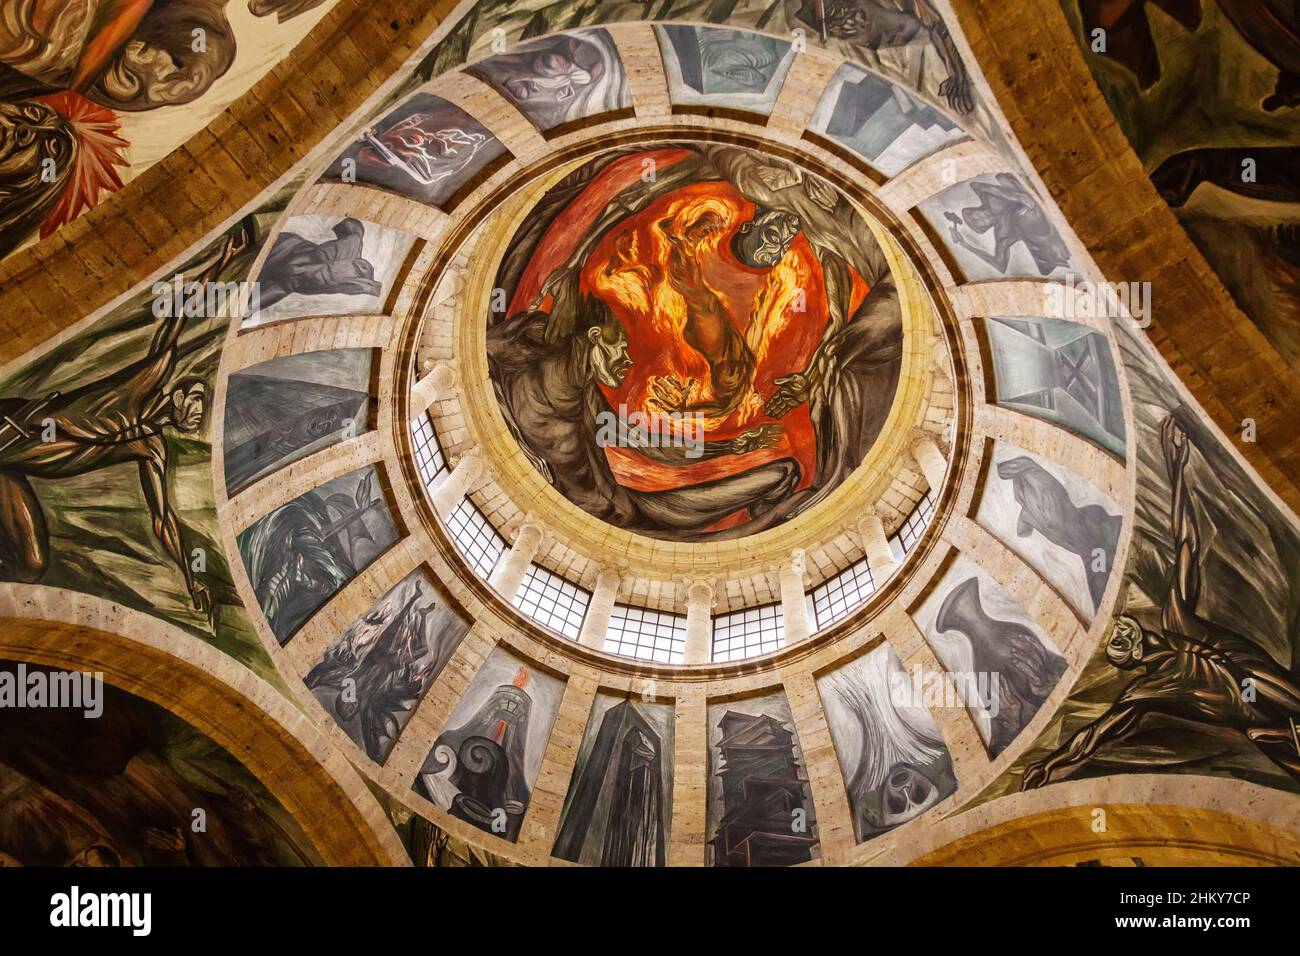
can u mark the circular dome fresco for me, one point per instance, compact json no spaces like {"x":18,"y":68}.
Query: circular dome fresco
{"x":695,"y":341}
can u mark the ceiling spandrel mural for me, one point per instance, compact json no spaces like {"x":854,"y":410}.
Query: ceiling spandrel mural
{"x":94,"y":92}
{"x":1230,"y":167}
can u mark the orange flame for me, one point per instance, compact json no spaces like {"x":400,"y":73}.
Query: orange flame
{"x":630,"y":271}
{"x":117,"y":20}
{"x":522,"y":677}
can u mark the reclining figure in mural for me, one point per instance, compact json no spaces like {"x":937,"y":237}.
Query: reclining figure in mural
{"x":117,"y":419}
{"x":1191,"y":668}
{"x":890,"y":24}
{"x":1015,"y":217}
{"x":335,"y":266}
{"x":546,"y":364}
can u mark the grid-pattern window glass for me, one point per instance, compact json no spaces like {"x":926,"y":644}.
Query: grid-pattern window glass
{"x":742,"y":634}
{"x":480,"y":543}
{"x":552,"y":601}
{"x":428,"y":453}
{"x":646,"y":634}
{"x":841,"y":595}
{"x":916,"y":523}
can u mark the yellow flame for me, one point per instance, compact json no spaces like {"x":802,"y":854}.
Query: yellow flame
{"x":783,"y":294}
{"x":637,"y":278}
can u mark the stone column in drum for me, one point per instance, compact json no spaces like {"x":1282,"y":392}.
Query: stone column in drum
{"x":510,"y":575}
{"x":699,"y":621}
{"x":596,"y":623}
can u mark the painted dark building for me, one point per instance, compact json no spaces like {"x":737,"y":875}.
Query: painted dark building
{"x":762,"y":794}
{"x":618,"y":796}
{"x":489,"y":751}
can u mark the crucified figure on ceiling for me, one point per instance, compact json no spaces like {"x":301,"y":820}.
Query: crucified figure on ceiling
{"x":1190,"y":668}
{"x":117,"y":419}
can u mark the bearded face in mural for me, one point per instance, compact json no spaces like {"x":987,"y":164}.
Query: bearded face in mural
{"x":34,"y":139}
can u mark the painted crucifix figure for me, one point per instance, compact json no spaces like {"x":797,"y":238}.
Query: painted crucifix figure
{"x":117,"y":419}
{"x":1189,"y":667}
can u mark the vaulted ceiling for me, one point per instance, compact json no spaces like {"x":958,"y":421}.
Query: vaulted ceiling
{"x":439,"y":408}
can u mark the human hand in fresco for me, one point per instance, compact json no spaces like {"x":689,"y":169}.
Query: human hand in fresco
{"x":202,"y":599}
{"x":956,"y":90}
{"x":955,"y":223}
{"x":791,"y":391}
{"x":171,"y":839}
{"x":762,"y":436}
{"x":1036,"y":775}
{"x":239,"y":243}
{"x":668,"y":393}
{"x":1174,"y":442}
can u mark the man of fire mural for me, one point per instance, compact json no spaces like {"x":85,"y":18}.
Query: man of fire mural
{"x":696,"y":283}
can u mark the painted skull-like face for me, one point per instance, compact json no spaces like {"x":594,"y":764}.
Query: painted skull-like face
{"x":906,"y":793}
{"x":554,"y":77}
{"x":1124,"y":649}
{"x":765,"y":240}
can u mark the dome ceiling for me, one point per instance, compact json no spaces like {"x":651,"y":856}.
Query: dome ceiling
{"x":609,"y":395}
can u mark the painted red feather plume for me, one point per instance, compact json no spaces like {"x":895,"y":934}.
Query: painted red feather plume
{"x":99,"y":148}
